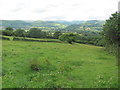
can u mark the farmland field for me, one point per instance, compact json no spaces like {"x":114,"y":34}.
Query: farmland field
{"x":59,"y":65}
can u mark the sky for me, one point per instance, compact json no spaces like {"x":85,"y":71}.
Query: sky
{"x":51,"y":10}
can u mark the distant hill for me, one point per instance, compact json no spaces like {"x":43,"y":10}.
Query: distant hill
{"x":28,"y":24}
{"x":87,"y":25}
{"x":15,"y":24}
{"x":52,"y":25}
{"x":69,"y":22}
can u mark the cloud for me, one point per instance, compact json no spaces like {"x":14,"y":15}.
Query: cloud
{"x":19,"y":7}
{"x":40,"y":10}
{"x":54,"y":18}
{"x":57,"y":9}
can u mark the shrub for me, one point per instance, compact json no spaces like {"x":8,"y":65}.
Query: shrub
{"x":35,"y":65}
{"x":57,"y":34}
{"x":19,"y":33}
{"x":7,"y":33}
{"x":68,"y":37}
{"x":15,"y":38}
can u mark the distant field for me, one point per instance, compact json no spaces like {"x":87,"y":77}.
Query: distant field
{"x":60,"y":66}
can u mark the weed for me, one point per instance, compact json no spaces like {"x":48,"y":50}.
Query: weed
{"x":35,"y":65}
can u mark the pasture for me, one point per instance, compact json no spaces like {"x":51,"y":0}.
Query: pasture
{"x":56,"y":65}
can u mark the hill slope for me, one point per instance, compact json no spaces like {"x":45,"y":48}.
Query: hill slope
{"x":50,"y":25}
{"x":60,"y":66}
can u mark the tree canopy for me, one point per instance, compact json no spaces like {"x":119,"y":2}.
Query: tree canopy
{"x":9,"y":28}
{"x":111,"y":34}
{"x":19,"y":33}
{"x":36,"y":33}
{"x":68,"y":37}
{"x":57,"y":34}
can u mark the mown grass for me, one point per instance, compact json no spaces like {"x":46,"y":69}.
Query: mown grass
{"x":60,"y":66}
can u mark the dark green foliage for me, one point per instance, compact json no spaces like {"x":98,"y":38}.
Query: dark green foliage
{"x":93,"y":38}
{"x":9,"y":28}
{"x":5,"y":38}
{"x":57,"y":34}
{"x":111,"y":32}
{"x":16,"y":38}
{"x":68,"y":37}
{"x":7,"y":33}
{"x":111,"y":35}
{"x":19,"y":33}
{"x":36,"y":33}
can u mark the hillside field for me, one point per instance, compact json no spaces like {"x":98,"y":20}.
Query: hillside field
{"x":59,"y":65}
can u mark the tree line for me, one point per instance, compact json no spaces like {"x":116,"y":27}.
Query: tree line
{"x":84,"y":37}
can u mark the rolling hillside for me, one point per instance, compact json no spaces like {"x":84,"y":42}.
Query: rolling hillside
{"x":53,"y":25}
{"x":57,"y":65}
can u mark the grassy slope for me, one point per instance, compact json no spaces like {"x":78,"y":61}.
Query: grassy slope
{"x":62,"y":65}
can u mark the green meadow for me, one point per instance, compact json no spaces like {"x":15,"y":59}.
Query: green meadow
{"x":57,"y":65}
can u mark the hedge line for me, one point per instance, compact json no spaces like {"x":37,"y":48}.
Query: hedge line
{"x":4,"y":38}
{"x":24,"y":39}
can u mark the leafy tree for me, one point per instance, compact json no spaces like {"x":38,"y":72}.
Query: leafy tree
{"x":19,"y":33}
{"x":68,"y":37}
{"x":57,"y":34}
{"x":7,"y":33}
{"x":36,"y":33}
{"x":9,"y":28}
{"x":111,"y":34}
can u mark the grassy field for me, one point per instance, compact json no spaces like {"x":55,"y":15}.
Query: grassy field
{"x":59,"y":65}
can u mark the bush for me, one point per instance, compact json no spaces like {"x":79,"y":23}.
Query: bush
{"x":35,"y":65}
{"x":16,"y":38}
{"x":57,"y":34}
{"x":7,"y":33}
{"x":19,"y":33}
{"x":68,"y":37}
{"x":36,"y":33}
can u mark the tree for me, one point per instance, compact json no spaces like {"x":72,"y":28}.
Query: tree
{"x":7,"y":33}
{"x":9,"y":28}
{"x":111,"y":34}
{"x":68,"y":37}
{"x":19,"y":33}
{"x":57,"y":34}
{"x":36,"y":33}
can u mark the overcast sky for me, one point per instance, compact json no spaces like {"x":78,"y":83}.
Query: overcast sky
{"x":57,"y":9}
